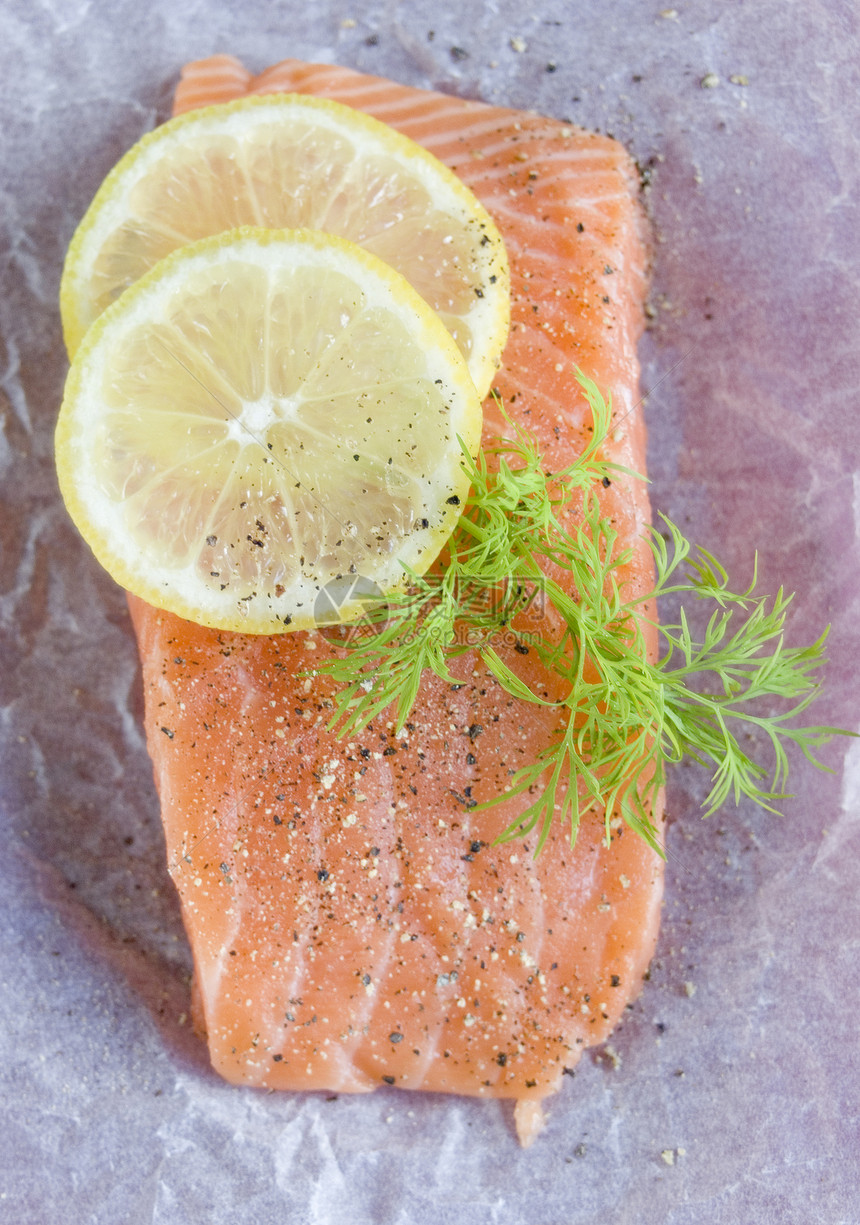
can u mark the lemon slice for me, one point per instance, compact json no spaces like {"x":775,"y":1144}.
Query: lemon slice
{"x":290,"y":161}
{"x":263,"y":430}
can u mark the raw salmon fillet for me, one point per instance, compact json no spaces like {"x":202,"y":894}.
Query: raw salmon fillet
{"x":352,"y":920}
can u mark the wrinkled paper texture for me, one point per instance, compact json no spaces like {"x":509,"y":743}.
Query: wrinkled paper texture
{"x":730,"y":1093}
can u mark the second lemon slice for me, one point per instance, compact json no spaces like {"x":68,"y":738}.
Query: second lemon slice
{"x":290,"y":161}
{"x":263,"y":426}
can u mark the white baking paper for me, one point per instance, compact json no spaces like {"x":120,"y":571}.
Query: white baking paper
{"x":731,"y":1094}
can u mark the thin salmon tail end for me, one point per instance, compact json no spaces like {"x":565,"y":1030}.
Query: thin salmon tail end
{"x":529,"y":1120}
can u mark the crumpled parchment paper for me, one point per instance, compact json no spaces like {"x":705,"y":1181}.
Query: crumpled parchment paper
{"x":732,"y":1091}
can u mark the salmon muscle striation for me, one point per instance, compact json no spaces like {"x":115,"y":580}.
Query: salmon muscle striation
{"x":353,"y":921}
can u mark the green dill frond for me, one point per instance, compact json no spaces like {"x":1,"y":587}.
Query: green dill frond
{"x":624,"y":718}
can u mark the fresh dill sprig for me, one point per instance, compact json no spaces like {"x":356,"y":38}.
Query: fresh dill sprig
{"x":623,"y":717}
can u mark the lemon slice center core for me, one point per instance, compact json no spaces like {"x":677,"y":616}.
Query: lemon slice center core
{"x":255,"y":418}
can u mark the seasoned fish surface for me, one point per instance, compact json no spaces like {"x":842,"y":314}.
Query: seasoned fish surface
{"x":352,"y":922}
